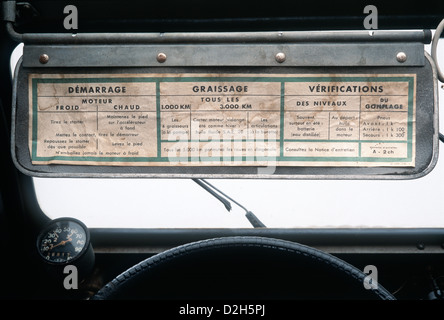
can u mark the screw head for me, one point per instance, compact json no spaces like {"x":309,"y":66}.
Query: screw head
{"x":401,"y":57}
{"x":44,"y":58}
{"x":280,"y":57}
{"x":161,"y":57}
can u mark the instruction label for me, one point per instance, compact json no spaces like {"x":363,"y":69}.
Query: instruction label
{"x":222,"y":119}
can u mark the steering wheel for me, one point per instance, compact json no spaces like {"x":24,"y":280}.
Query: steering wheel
{"x":242,"y":268}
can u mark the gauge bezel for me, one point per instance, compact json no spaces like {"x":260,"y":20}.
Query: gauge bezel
{"x":52,"y":225}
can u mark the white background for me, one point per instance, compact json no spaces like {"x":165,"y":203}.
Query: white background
{"x":181,"y":203}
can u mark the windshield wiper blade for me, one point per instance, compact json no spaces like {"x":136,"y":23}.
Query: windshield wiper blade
{"x":255,"y":222}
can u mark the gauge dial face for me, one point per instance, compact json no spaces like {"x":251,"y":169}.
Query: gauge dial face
{"x":62,"y":241}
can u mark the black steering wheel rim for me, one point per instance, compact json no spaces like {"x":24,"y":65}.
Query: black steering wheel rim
{"x":225,"y":256}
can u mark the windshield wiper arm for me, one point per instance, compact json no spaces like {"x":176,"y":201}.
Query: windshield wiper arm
{"x":255,"y":222}
{"x":224,"y":201}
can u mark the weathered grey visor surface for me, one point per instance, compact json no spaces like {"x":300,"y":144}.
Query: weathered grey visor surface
{"x":349,"y":105}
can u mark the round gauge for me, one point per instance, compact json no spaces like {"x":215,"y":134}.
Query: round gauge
{"x":63,"y":241}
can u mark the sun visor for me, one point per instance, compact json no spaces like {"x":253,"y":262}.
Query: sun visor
{"x":293,"y":105}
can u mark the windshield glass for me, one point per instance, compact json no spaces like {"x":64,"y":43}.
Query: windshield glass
{"x":181,"y":203}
